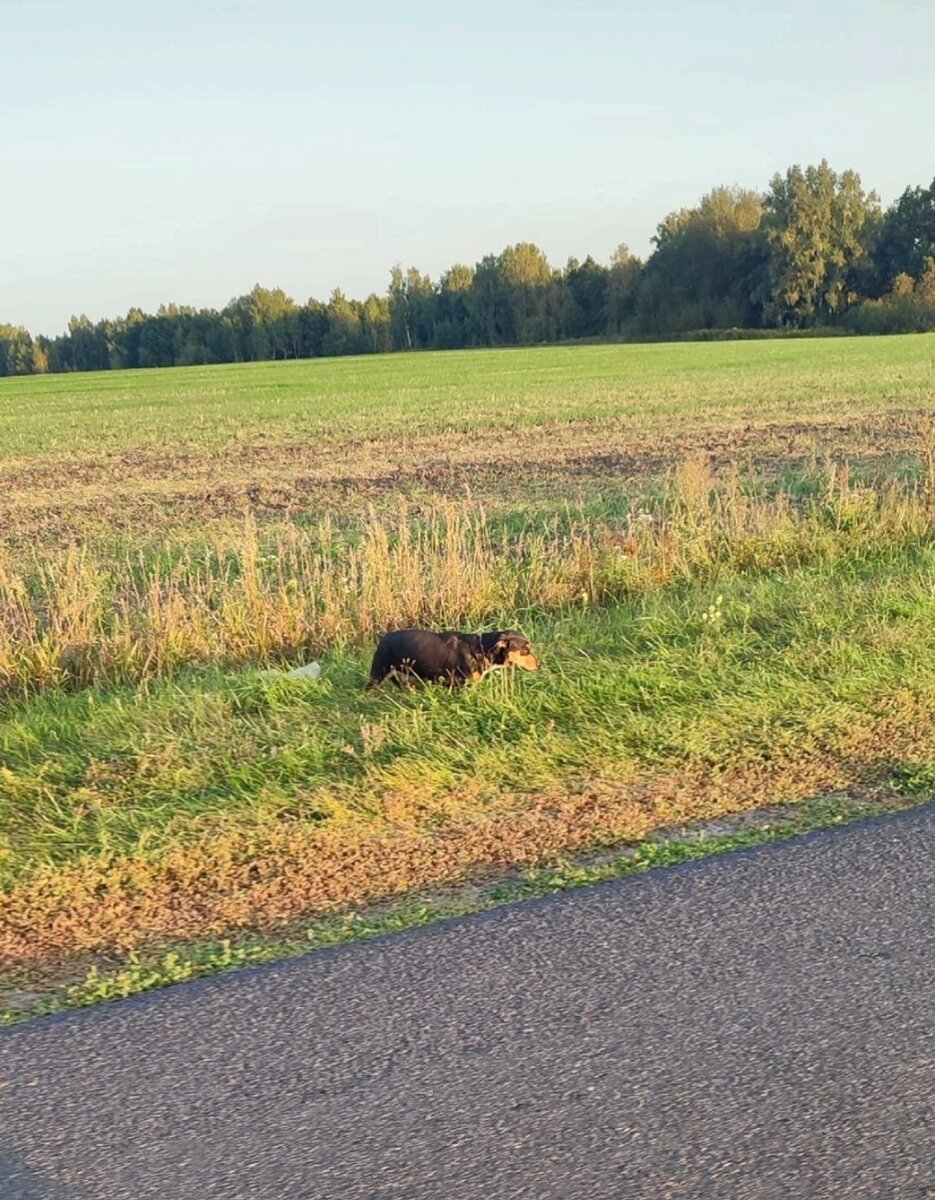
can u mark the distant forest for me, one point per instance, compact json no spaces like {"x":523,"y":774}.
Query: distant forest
{"x":814,"y":252}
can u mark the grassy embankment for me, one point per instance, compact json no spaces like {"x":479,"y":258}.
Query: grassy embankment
{"x":724,"y":554}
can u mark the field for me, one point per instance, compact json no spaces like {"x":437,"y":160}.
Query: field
{"x":723,"y":554}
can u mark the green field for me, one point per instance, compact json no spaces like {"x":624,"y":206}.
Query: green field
{"x":644,"y":387}
{"x":723,"y":553}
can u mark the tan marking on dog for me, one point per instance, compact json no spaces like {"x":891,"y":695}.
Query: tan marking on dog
{"x":528,"y":662}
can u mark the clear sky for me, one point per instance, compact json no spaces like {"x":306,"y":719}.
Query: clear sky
{"x":185,"y":150}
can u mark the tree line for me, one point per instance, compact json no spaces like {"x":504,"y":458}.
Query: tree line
{"x":814,"y":251}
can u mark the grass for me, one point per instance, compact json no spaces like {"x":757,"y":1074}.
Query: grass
{"x":75,"y":619}
{"x":456,"y":391}
{"x":723,"y":553}
{"x":135,"y":457}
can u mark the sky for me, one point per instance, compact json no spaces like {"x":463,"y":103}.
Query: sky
{"x":187,"y":150}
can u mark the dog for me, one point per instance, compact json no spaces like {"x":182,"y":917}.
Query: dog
{"x":452,"y":658}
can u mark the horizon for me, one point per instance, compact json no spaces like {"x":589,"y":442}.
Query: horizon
{"x":218,"y":146}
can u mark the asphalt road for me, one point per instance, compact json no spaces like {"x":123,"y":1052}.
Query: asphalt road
{"x":757,"y":1025}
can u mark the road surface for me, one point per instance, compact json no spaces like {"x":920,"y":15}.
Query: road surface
{"x":758,"y":1025}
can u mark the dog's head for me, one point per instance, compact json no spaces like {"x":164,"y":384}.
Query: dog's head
{"x":509,"y":648}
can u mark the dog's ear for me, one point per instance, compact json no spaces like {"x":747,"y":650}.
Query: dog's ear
{"x":500,"y":651}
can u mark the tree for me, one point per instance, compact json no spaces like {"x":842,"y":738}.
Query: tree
{"x":907,"y":236}
{"x":925,"y":284}
{"x":87,"y":348}
{"x":422,"y":294}
{"x":400,"y":321}
{"x":237,"y":315}
{"x":699,"y":275}
{"x":485,"y":302}
{"x":525,"y":274}
{"x":412,"y":308}
{"x":18,"y":354}
{"x":157,"y":344}
{"x":274,"y":325}
{"x":132,"y":328}
{"x":584,"y":300}
{"x":820,"y":228}
{"x":375,"y":323}
{"x":40,"y":358}
{"x":453,"y":312}
{"x":622,"y":282}
{"x":313,"y":328}
{"x":345,"y":331}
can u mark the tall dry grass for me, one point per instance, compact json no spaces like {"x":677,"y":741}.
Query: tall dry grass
{"x":84,"y":618}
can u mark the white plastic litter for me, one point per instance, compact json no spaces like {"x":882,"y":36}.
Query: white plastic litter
{"x":311,"y":670}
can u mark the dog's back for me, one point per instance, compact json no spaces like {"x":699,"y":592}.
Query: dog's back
{"x":447,"y":657}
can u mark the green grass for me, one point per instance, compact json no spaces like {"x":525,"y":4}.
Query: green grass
{"x":696,"y":629}
{"x":442,"y":392}
{"x":716,"y":670}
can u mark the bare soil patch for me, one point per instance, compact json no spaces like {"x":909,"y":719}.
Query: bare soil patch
{"x":153,"y":489}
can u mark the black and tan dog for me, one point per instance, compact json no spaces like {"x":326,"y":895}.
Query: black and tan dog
{"x":411,"y":655}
